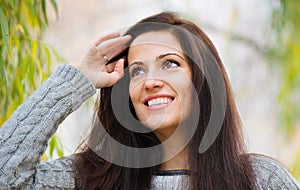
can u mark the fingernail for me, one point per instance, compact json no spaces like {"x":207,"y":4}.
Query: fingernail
{"x":127,"y":36}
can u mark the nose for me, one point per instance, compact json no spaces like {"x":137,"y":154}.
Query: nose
{"x":153,"y":83}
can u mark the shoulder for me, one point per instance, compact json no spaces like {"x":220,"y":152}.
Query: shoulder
{"x":270,"y":174}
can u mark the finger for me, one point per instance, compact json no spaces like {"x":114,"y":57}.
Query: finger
{"x":118,"y":72}
{"x":118,"y":51}
{"x":105,"y":37}
{"x":114,"y":46}
{"x":119,"y":67}
{"x":114,"y":55}
{"x":110,"y":67}
{"x":114,"y":42}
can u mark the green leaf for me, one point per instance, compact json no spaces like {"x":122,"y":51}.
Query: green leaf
{"x":59,"y":148}
{"x":12,"y":4}
{"x":56,"y":56}
{"x":24,"y":60}
{"x":60,"y":152}
{"x":34,"y":3}
{"x":47,"y":53}
{"x":4,"y":29}
{"x":44,"y":11}
{"x":4,"y":76}
{"x":52,"y":145}
{"x":54,"y":5}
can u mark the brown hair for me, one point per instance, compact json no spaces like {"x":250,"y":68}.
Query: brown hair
{"x":223,"y":166}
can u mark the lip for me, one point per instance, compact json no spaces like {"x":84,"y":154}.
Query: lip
{"x":156,"y":107}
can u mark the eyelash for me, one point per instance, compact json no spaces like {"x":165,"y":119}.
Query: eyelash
{"x":135,"y":70}
{"x":170,"y":61}
{"x":164,"y":66}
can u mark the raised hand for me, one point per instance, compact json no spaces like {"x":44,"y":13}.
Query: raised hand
{"x":101,"y":50}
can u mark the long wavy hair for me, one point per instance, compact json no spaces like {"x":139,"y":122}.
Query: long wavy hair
{"x":224,"y":165}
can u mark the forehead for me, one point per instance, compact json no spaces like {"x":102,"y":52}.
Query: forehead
{"x":152,"y":44}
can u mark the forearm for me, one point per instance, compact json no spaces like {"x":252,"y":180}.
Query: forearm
{"x":24,"y":137}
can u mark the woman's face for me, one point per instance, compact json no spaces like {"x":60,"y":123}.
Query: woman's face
{"x":160,"y":85}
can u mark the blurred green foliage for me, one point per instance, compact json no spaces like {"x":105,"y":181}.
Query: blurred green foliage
{"x":285,"y":54}
{"x":296,"y":166}
{"x":25,"y":61}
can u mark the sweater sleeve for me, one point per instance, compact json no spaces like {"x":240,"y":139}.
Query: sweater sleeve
{"x":270,"y":174}
{"x":24,"y":137}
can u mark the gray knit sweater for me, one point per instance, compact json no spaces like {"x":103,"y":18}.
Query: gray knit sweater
{"x":24,"y":137}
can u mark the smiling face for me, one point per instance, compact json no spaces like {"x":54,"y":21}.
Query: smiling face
{"x":160,"y":84}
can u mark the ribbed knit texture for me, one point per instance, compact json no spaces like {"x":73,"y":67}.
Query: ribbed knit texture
{"x":270,"y":175}
{"x":24,"y":137}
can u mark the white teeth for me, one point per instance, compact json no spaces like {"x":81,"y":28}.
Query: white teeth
{"x":157,"y":101}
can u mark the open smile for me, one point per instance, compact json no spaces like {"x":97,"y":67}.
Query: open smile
{"x":158,"y":101}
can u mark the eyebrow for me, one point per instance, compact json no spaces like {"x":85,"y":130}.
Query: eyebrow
{"x":135,"y":63}
{"x":164,"y":55}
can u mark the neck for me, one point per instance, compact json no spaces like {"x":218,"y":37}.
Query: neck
{"x":172,"y":145}
{"x":178,"y":162}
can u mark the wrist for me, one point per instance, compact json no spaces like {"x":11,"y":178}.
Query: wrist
{"x":78,"y":66}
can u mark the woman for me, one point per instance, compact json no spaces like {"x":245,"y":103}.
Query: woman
{"x":166,"y":121}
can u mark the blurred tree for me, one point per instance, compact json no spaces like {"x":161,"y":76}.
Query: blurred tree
{"x":25,"y":61}
{"x":285,"y":54}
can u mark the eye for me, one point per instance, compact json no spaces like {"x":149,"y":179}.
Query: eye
{"x":137,"y":71}
{"x":170,"y":64}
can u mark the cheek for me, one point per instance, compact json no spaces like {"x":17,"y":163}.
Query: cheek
{"x":134,"y":93}
{"x":182,"y":84}
{"x":184,"y":91}
{"x":135,"y":96}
